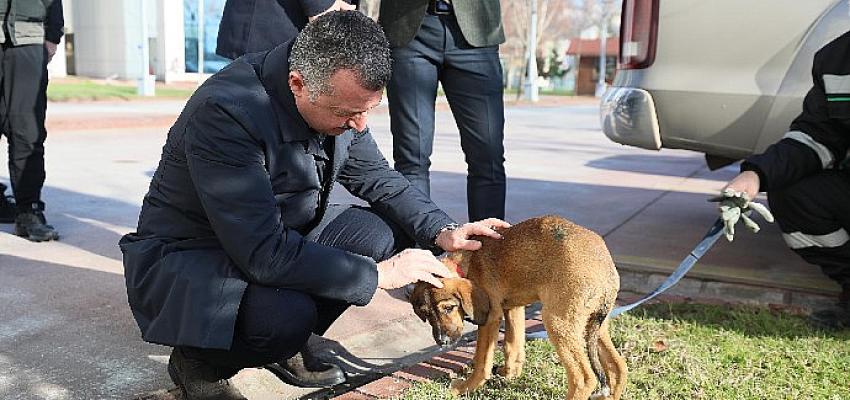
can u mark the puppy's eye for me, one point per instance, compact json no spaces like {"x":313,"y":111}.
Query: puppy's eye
{"x":448,"y":309}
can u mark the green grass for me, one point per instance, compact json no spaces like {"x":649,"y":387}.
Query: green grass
{"x":546,"y":92}
{"x":695,"y":352}
{"x":87,"y":90}
{"x":513,"y":91}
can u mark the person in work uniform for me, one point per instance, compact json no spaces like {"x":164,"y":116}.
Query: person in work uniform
{"x":31,"y":31}
{"x":807,"y":179}
{"x":238,"y":255}
{"x":454,"y":43}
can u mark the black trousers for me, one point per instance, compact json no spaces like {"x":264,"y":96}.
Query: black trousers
{"x":814,"y":216}
{"x":23,"y":105}
{"x":472,"y":81}
{"x":273,"y":324}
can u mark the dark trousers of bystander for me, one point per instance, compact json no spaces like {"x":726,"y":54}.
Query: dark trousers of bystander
{"x":472,"y":80}
{"x":23,"y":106}
{"x":274,"y":323}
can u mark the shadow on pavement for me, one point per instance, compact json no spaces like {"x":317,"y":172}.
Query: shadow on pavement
{"x":67,"y":332}
{"x":88,"y":222}
{"x":653,"y":164}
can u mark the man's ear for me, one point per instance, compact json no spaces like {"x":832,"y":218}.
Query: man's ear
{"x":474,"y":302}
{"x":297,"y":84}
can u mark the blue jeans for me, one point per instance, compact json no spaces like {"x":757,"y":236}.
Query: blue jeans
{"x":273,"y":324}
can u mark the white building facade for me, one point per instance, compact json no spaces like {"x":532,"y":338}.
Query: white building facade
{"x":106,"y":39}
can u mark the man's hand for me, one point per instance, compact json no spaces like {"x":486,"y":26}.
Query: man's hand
{"x":458,"y":239}
{"x":51,"y":50}
{"x":409,"y":266}
{"x":746,"y":182}
{"x":735,"y":203}
{"x":338,"y":5}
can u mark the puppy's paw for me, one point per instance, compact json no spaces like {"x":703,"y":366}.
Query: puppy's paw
{"x":600,"y":394}
{"x":508,"y":373}
{"x":458,"y":387}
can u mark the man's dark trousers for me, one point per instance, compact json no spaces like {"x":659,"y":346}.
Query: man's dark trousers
{"x":23,"y":104}
{"x":814,"y":215}
{"x":273,"y":323}
{"x":472,"y":81}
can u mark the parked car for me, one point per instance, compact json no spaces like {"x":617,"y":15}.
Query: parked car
{"x":721,"y":77}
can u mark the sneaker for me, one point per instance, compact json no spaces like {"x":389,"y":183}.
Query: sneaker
{"x":198,"y":380}
{"x":32,"y":225}
{"x":7,"y":207}
{"x":305,"y":370}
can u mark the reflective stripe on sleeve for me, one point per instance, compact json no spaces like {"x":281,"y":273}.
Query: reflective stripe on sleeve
{"x":800,"y":240}
{"x":836,"y":84}
{"x":823,"y":153}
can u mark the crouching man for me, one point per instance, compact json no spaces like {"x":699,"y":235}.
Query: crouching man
{"x":807,"y":179}
{"x":238,"y":257}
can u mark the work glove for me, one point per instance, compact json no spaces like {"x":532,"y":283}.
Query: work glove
{"x":736,"y":206}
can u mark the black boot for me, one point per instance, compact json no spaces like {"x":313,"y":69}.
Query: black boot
{"x":306,"y":370}
{"x":199,"y":380}
{"x":7,"y":207}
{"x":31,"y":224}
{"x":837,"y":316}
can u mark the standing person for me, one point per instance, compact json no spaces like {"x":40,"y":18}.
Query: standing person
{"x":455,"y":43}
{"x":31,"y":31}
{"x":807,"y":177}
{"x":238,"y":257}
{"x":248,"y":26}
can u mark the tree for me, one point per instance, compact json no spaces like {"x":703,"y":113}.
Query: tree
{"x":555,"y":20}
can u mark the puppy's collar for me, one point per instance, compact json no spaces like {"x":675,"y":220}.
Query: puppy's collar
{"x":451,"y":263}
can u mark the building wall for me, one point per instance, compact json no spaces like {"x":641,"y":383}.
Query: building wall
{"x":102,"y":42}
{"x":170,"y":55}
{"x":108,"y":37}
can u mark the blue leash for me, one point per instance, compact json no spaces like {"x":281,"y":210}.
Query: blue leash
{"x":701,"y":248}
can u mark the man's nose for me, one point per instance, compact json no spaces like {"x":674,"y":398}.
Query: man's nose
{"x":358,"y":122}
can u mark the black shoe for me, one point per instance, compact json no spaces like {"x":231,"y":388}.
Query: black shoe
{"x":835,"y":317}
{"x":32,"y":225}
{"x":305,"y":370}
{"x":7,"y":207}
{"x":199,"y":380}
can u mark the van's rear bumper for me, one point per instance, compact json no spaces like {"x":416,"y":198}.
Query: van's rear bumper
{"x":628,"y":117}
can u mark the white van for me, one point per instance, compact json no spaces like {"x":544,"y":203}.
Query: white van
{"x":721,"y":77}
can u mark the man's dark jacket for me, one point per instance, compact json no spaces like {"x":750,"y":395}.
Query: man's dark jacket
{"x":249,"y":26}
{"x":31,"y":21}
{"x":819,"y":138}
{"x":235,"y":192}
{"x":480,"y":21}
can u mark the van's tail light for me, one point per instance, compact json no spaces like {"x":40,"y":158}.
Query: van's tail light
{"x":638,"y":33}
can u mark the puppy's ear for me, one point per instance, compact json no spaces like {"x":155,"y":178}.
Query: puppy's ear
{"x":474,"y":302}
{"x":420,"y":302}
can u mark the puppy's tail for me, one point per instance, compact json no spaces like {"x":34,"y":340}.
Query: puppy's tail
{"x":591,"y":335}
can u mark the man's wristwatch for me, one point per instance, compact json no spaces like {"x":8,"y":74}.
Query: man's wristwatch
{"x":448,"y":227}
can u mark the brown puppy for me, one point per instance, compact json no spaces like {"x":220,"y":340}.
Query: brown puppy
{"x":548,"y":259}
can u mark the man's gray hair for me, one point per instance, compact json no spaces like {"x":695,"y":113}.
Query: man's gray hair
{"x":341,"y":40}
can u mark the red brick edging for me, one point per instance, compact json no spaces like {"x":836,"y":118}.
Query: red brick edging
{"x":448,"y":364}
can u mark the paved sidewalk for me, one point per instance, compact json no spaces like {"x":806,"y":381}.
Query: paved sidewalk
{"x":66,"y":332}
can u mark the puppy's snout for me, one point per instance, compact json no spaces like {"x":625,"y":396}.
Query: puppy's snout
{"x":444,"y":339}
